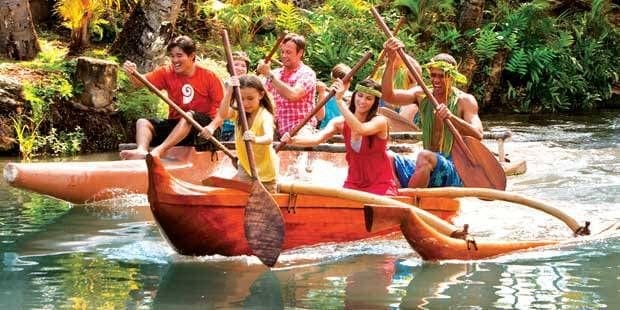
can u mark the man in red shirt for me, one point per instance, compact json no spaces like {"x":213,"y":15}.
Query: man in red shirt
{"x":193,"y":88}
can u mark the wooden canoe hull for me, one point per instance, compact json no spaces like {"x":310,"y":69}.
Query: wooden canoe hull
{"x":200,"y":220}
{"x":432,"y":245}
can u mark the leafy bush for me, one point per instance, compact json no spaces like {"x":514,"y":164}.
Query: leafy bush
{"x":134,"y":103}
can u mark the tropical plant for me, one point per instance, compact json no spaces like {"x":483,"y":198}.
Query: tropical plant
{"x":424,"y":15}
{"x":487,"y":44}
{"x":83,"y":17}
{"x":244,"y":19}
{"x":559,"y":63}
{"x":26,"y":134}
{"x":133,"y":103}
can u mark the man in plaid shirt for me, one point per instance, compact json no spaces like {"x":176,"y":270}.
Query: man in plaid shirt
{"x":292,"y":86}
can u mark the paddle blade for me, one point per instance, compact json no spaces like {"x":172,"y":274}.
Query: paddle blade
{"x":264,"y":225}
{"x":396,"y":121}
{"x":484,"y":171}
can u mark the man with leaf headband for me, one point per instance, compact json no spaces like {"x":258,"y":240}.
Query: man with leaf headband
{"x":434,"y":166}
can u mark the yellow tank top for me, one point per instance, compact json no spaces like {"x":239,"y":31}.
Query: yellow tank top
{"x":267,"y":162}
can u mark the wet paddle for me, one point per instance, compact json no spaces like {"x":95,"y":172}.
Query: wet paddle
{"x":332,"y":92}
{"x":263,"y":221}
{"x":475,"y":164}
{"x":192,"y":121}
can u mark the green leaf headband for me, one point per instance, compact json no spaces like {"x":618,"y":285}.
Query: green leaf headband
{"x":367,"y":90}
{"x":448,"y":69}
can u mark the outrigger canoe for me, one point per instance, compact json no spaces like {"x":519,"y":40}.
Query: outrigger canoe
{"x":204,"y":220}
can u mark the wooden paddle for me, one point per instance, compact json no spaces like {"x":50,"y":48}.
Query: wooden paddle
{"x":475,"y":164}
{"x":263,"y":222}
{"x":396,"y":121}
{"x":332,"y":92}
{"x":275,"y":47}
{"x":379,"y":62}
{"x":192,"y":121}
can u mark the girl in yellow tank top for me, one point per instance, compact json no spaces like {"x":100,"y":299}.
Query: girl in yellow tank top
{"x":259,"y":110}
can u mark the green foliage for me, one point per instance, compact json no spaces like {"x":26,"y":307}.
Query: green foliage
{"x":57,"y":144}
{"x":448,"y":37}
{"x":341,"y":35}
{"x":26,"y":134}
{"x":52,"y":59}
{"x":134,"y":103}
{"x":557,"y":63}
{"x":487,"y":44}
{"x":43,"y":94}
{"x":244,"y":19}
{"x":289,"y":17}
{"x":218,"y":67}
{"x":518,"y":62}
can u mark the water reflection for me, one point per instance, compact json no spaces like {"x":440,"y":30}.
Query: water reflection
{"x":355,"y":283}
{"x":78,"y":280}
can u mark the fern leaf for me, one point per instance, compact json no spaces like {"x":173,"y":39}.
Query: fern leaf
{"x":518,"y":62}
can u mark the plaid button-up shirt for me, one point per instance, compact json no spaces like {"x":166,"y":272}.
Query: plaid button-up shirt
{"x":290,"y":113}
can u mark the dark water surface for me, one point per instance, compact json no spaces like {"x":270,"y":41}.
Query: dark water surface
{"x":111,"y":255}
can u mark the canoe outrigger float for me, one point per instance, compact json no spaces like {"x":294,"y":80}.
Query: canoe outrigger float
{"x":435,"y":242}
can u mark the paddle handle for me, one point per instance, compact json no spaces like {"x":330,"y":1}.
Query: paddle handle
{"x":173,"y":105}
{"x":275,"y":46}
{"x":241,"y":110}
{"x":332,"y":92}
{"x":379,"y":62}
{"x":418,"y":78}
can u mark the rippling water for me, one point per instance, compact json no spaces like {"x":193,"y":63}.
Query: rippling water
{"x":111,"y":255}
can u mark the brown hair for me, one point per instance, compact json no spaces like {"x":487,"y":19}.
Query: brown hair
{"x":375,"y":106}
{"x":340,"y":71}
{"x":252,"y":81}
{"x":299,"y":40}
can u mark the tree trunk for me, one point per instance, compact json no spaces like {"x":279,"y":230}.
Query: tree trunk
{"x":494,"y":78}
{"x":18,"y":38}
{"x":470,"y":17}
{"x":147,"y":32}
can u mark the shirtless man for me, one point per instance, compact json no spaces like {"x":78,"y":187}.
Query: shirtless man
{"x":434,"y":166}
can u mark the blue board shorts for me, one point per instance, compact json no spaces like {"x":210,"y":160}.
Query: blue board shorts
{"x":443,"y":175}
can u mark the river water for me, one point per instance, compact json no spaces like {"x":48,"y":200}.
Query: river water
{"x":111,"y":256}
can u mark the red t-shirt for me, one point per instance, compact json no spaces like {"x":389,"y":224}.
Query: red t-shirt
{"x":201,"y":92}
